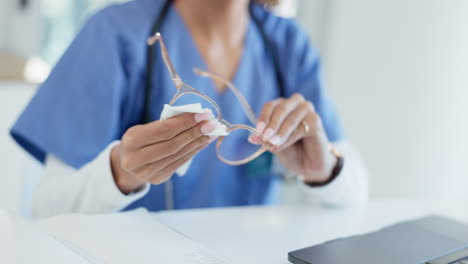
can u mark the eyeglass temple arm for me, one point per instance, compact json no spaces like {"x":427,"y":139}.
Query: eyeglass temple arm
{"x":247,"y":109}
{"x":167,"y":61}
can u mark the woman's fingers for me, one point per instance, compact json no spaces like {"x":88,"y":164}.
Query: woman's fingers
{"x":158,"y":131}
{"x":293,"y":122}
{"x":151,"y":171}
{"x":254,"y":139}
{"x":201,"y":142}
{"x":159,"y":151}
{"x":313,"y":122}
{"x":295,"y":136}
{"x":265,"y":114}
{"x":166,"y":173}
{"x":147,"y":149}
{"x":276,"y":114}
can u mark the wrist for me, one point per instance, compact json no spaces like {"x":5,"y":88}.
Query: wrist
{"x":122,"y":178}
{"x":330,"y":173}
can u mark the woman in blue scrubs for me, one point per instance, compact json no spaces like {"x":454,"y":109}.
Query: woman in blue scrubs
{"x":84,"y":122}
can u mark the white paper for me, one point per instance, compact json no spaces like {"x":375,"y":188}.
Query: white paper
{"x":22,"y":242}
{"x":171,"y":111}
{"x":131,"y":237}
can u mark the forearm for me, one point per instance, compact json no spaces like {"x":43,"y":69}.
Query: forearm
{"x":90,"y":189}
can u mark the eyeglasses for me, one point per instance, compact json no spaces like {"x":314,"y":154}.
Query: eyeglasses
{"x":236,"y":148}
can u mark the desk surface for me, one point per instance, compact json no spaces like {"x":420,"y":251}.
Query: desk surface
{"x":267,"y":234}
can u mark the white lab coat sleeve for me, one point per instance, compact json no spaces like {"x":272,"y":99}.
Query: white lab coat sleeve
{"x":350,"y":188}
{"x":91,"y":189}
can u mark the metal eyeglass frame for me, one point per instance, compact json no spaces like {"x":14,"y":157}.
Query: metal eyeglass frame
{"x":183,"y":88}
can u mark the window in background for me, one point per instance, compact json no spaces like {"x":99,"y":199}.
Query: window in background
{"x":62,"y":19}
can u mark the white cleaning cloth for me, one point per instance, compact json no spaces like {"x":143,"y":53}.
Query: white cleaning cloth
{"x":171,"y":111}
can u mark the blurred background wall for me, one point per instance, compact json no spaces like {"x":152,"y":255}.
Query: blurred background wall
{"x":397,"y":71}
{"x":21,"y":28}
{"x":2,"y":22}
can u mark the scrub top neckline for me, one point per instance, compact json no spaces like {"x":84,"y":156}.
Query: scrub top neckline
{"x":204,"y":66}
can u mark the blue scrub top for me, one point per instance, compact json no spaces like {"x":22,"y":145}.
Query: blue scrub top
{"x":96,"y":92}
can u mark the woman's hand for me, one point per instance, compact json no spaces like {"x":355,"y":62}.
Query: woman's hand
{"x":297,"y":137}
{"x":152,"y":153}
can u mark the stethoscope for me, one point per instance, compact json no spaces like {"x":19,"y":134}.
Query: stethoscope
{"x":168,"y":186}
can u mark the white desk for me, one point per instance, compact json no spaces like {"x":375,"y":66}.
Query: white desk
{"x":243,"y":235}
{"x":267,"y":234}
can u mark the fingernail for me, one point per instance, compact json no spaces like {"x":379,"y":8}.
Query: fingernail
{"x":255,"y":139}
{"x":213,"y":138}
{"x":199,"y":117}
{"x":269,"y":133}
{"x":203,"y":116}
{"x":260,"y":127}
{"x":209,"y":114}
{"x":276,"y":140}
{"x":209,"y":127}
